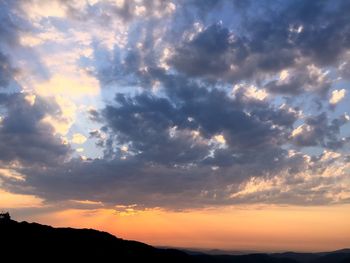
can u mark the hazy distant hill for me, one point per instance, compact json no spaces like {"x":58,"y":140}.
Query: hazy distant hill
{"x":32,"y":241}
{"x":342,"y":255}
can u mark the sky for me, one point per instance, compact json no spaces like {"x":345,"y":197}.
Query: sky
{"x":184,"y":123}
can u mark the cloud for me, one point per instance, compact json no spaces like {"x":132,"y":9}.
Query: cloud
{"x":165,"y":147}
{"x":344,"y":68}
{"x":206,"y":53}
{"x":37,"y":10}
{"x":61,"y":122}
{"x":337,"y":96}
{"x":318,"y":130}
{"x":78,"y":138}
{"x":186,"y":105}
{"x":318,"y":185}
{"x":6,"y":71}
{"x":9,"y":27}
{"x":310,"y":183}
{"x":25,"y":138}
{"x":9,"y":38}
{"x":79,"y":150}
{"x":250,"y":92}
{"x":127,"y":11}
{"x":13,"y":201}
{"x":282,"y":39}
{"x":301,"y":79}
{"x":148,"y":122}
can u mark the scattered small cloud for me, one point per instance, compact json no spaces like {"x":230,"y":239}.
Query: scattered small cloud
{"x":78,"y":138}
{"x":337,"y":96}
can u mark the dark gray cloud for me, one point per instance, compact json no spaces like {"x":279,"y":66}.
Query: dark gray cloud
{"x":154,"y":127}
{"x":24,"y":137}
{"x":209,"y":54}
{"x":320,"y":131}
{"x":9,"y":23}
{"x":292,"y":35}
{"x":278,"y":38}
{"x":147,"y":121}
{"x":113,"y":182}
{"x":6,"y":71}
{"x":130,"y":181}
{"x":95,"y":134}
{"x":8,"y":35}
{"x":300,"y":80}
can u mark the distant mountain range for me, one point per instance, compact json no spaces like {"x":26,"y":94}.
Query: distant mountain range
{"x":38,"y":243}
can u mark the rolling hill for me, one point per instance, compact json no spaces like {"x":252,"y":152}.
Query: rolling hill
{"x":33,"y":241}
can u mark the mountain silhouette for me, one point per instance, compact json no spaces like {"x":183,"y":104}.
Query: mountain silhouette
{"x":36,"y":242}
{"x":339,"y":256}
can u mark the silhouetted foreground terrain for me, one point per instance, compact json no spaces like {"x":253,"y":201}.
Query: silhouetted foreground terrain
{"x":32,"y":241}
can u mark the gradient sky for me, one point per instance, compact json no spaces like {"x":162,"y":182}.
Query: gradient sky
{"x":208,"y":124}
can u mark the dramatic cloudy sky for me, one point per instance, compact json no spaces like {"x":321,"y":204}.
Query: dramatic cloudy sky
{"x":171,"y":113}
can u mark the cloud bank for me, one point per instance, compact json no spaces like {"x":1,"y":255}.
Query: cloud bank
{"x":176,"y":104}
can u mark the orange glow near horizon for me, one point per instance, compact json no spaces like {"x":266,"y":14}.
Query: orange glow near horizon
{"x":268,"y":228}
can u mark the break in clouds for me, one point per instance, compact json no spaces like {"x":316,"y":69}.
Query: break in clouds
{"x":175,"y":104}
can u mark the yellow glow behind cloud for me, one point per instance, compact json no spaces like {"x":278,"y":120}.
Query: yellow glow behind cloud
{"x":81,"y":85}
{"x":30,"y":98}
{"x":67,"y":91}
{"x":78,"y":138}
{"x":283,"y":75}
{"x":62,"y":123}
{"x":220,"y":138}
{"x":337,"y":96}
